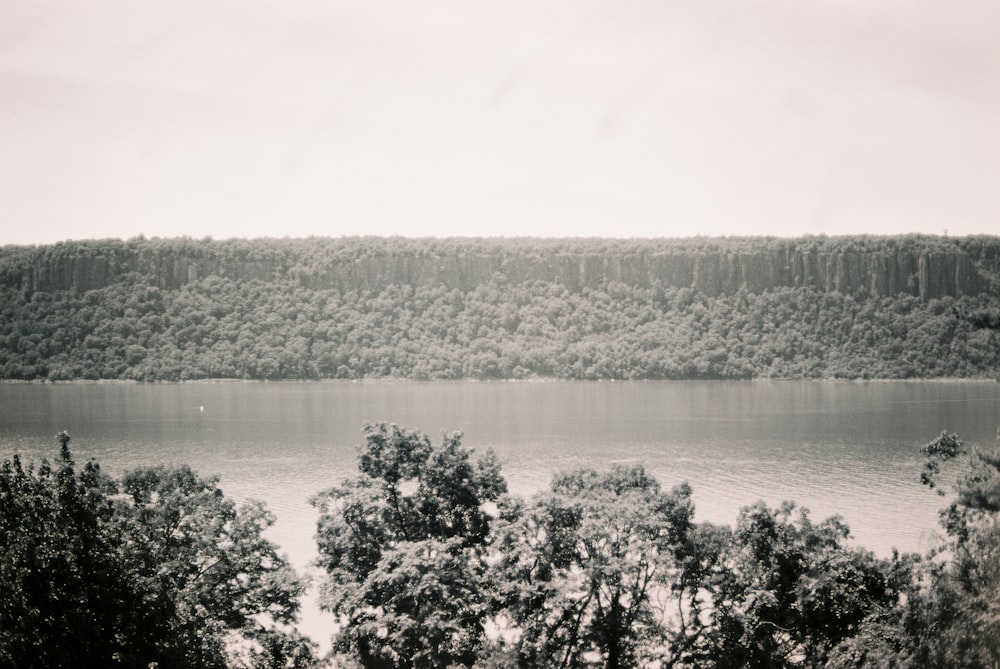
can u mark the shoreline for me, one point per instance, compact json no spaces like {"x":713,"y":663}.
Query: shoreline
{"x":377,"y":380}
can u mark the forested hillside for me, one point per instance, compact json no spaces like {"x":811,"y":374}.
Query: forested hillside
{"x":495,"y":309}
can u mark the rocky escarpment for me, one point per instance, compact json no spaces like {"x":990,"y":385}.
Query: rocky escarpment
{"x":924,"y":266}
{"x":925,"y":274}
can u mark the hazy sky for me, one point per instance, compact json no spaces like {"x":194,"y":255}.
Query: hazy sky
{"x":248,"y":118}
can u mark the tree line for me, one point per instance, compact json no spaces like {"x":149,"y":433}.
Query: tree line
{"x":223,"y":328}
{"x":428,"y":561}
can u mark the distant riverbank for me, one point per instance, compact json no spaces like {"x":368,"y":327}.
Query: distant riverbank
{"x":99,"y":382}
{"x":851,"y":308}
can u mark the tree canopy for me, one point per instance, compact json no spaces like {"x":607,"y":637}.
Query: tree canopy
{"x":157,"y":567}
{"x":402,"y":546}
{"x":578,"y":567}
{"x":428,"y":561}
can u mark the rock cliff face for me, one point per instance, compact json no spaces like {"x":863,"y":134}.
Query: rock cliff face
{"x":85,"y":268}
{"x":927,"y":275}
{"x":890,"y":269}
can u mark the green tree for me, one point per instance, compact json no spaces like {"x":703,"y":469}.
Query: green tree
{"x":402,"y":546}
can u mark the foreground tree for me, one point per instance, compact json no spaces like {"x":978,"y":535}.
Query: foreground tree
{"x":402,"y":546}
{"x":964,"y":599}
{"x":157,"y":568}
{"x":204,"y":565}
{"x":950,"y":616}
{"x":955,"y":622}
{"x":793,"y":590}
{"x":578,"y":567}
{"x":63,"y":591}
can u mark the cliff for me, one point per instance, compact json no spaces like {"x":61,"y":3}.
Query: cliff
{"x":927,"y":267}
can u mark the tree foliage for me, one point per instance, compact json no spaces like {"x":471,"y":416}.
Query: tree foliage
{"x":793,"y":589}
{"x":956,"y":621}
{"x":950,"y":615}
{"x":578,"y":568}
{"x":63,"y":592}
{"x":608,"y":570}
{"x":402,"y":549}
{"x":156,"y":567}
{"x":428,"y":562}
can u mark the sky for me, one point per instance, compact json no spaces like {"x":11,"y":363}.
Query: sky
{"x":246,"y":118}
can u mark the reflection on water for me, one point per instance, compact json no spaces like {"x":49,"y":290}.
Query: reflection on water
{"x":834,"y":447}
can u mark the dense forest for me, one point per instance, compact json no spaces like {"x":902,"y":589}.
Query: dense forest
{"x":428,"y":562}
{"x":350,"y":308}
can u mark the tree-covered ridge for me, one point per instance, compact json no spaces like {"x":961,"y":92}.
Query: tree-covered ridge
{"x":434,"y":309}
{"x":428,"y":562}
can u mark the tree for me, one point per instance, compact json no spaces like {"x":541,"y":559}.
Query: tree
{"x":402,"y":546}
{"x":944,"y":448}
{"x":792,"y":590}
{"x":577,"y":568}
{"x":158,"y":567}
{"x":950,"y":615}
{"x":205,"y":567}
{"x":63,"y":592}
{"x":955,"y":621}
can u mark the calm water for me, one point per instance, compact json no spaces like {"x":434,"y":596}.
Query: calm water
{"x":834,"y":447}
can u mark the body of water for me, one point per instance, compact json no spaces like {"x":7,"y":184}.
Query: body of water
{"x":843,"y":448}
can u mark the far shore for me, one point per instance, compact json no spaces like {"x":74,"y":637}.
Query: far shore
{"x":947,"y":379}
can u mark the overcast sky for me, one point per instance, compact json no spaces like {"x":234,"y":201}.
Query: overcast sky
{"x":243,"y":118}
